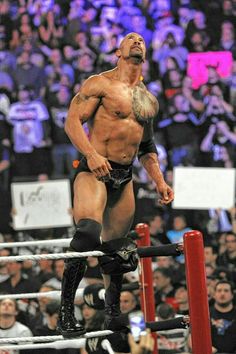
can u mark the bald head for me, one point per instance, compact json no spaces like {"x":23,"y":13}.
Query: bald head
{"x":132,"y":47}
{"x":131,"y":35}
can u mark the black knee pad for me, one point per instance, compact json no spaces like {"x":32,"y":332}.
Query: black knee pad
{"x":87,"y":236}
{"x":121,"y":256}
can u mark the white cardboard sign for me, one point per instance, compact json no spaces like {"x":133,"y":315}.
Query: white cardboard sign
{"x":204,"y":188}
{"x":41,"y":204}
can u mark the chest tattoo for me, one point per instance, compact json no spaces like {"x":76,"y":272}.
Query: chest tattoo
{"x":144,"y":104}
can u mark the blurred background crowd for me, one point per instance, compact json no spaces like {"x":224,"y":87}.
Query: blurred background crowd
{"x":47,"y":49}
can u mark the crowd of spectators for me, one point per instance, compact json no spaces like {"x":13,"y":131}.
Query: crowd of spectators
{"x":47,"y":49}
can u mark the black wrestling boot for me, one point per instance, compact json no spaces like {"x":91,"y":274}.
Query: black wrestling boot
{"x":114,"y":319}
{"x":73,"y":274}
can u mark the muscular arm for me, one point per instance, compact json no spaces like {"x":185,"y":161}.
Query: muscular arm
{"x":82,"y":108}
{"x":148,"y":153}
{"x":150,"y":162}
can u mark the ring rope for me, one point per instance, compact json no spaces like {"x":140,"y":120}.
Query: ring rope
{"x":55,"y":294}
{"x":63,"y":242}
{"x":50,"y":294}
{"x":31,"y":339}
{"x":142,"y":252}
{"x":52,"y":338}
{"x":107,"y":346}
{"x":38,"y":257}
{"x":62,"y":344}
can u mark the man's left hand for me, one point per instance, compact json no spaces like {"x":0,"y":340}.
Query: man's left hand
{"x":165,"y":192}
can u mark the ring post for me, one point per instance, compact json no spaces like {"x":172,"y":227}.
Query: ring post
{"x":197,"y":292}
{"x":146,"y":279}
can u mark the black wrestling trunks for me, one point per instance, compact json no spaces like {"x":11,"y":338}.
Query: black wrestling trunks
{"x":119,"y":176}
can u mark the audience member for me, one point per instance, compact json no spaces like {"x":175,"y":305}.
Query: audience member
{"x":45,"y":271}
{"x":210,"y":253}
{"x":157,"y":229}
{"x":198,"y":42}
{"x":4,"y":275}
{"x":50,"y":328}
{"x":223,"y":319}
{"x":57,"y":65}
{"x":219,"y":142}
{"x":4,"y":158}
{"x":9,"y":326}
{"x":7,"y":58}
{"x":51,"y":28}
{"x":93,"y":319}
{"x":228,"y":258}
{"x":27,"y":74}
{"x":163,"y":287}
{"x":211,"y":281}
{"x":63,"y":153}
{"x":231,"y":85}
{"x":172,"y":83}
{"x":6,"y":21}
{"x":128,"y":302}
{"x":227,"y":39}
{"x":193,"y":96}
{"x":176,"y":269}
{"x":55,"y":281}
{"x":84,"y":66}
{"x":180,"y":132}
{"x":51,"y":311}
{"x":181,"y":298}
{"x":40,"y":318}
{"x":29,"y":119}
{"x":171,"y":341}
{"x":169,"y":49}
{"x":197,"y":24}
{"x":179,"y":227}
{"x":18,"y":283}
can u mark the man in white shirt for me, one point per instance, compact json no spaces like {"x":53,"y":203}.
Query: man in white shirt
{"x":31,"y":128}
{"x":9,"y":327}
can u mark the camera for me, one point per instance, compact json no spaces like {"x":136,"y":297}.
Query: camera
{"x":137,"y":324}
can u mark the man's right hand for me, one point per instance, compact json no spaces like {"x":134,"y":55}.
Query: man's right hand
{"x":98,"y":165}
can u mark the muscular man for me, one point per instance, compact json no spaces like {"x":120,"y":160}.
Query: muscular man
{"x":119,"y":110}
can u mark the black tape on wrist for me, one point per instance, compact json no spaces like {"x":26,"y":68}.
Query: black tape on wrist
{"x":146,"y":147}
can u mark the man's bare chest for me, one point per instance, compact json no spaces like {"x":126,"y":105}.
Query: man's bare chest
{"x":125,"y":102}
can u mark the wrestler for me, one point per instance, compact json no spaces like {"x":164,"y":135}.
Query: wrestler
{"x":119,"y":112}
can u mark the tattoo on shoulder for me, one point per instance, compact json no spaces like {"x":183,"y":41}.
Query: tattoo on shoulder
{"x":81,"y":98}
{"x":141,"y":84}
{"x":144,"y":104}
